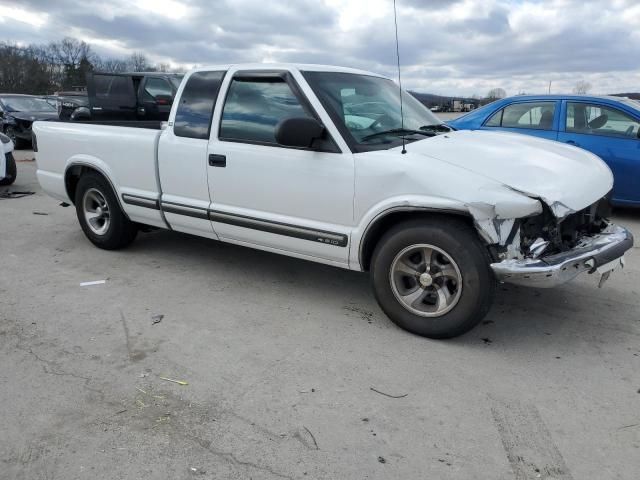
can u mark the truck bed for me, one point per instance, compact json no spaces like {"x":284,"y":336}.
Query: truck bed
{"x":124,"y":151}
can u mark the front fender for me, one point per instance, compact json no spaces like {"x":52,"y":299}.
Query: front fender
{"x":493,"y":218}
{"x":405,"y":203}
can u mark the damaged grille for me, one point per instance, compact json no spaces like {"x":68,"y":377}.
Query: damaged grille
{"x":564,"y":234}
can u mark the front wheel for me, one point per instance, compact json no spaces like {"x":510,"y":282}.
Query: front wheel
{"x":100,"y":215}
{"x":11,"y":171}
{"x":432,"y":277}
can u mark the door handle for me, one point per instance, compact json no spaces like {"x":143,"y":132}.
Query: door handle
{"x":217,"y":160}
{"x":571,"y":142}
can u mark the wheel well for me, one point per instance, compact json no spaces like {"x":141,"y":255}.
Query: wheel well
{"x":72,"y":176}
{"x":381,"y":225}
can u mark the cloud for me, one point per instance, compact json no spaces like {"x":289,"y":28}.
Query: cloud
{"x":447,"y":46}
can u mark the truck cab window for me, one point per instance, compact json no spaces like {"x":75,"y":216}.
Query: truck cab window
{"x":193,"y":117}
{"x":255,"y":106}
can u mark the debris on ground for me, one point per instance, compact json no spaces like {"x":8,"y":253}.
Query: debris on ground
{"x":40,"y":213}
{"x":387,"y":394}
{"x":312,"y":437}
{"x":8,"y":194}
{"x":94,"y":282}
{"x":364,"y":314}
{"x":156,"y":319}
{"x":487,"y":341}
{"x":179,"y":382}
{"x":382,"y":460}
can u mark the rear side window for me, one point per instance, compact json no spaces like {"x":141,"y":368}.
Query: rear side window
{"x":255,"y":106}
{"x":534,"y":115}
{"x":113,"y":90}
{"x":600,"y":120}
{"x":157,"y":86}
{"x":193,"y":117}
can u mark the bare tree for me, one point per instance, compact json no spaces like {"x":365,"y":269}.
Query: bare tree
{"x":43,"y":69}
{"x":582,"y":87}
{"x":138,"y":63}
{"x":496,"y":93}
{"x":70,"y":52}
{"x":21,"y":72}
{"x":111,"y":65}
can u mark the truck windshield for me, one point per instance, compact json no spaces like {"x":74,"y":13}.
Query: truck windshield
{"x":366,"y":109}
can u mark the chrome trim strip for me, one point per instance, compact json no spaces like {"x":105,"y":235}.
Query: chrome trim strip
{"x":303,"y":233}
{"x":294,"y":231}
{"x":187,"y":210}
{"x":139,"y":201}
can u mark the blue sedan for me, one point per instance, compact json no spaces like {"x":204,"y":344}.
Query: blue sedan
{"x":606,"y":126}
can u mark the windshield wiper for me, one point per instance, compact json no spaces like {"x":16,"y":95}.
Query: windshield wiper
{"x":399,"y":131}
{"x":440,"y":127}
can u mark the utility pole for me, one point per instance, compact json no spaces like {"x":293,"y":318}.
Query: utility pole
{"x":550,"y":87}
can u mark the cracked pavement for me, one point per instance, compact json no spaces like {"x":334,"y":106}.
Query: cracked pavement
{"x":292,"y":369}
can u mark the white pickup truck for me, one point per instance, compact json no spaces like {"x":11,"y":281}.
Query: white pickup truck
{"x":308,"y":161}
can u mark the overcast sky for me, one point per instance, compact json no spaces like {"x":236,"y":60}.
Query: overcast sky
{"x":460,"y":47}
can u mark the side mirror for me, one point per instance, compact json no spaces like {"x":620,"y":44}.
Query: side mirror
{"x":299,"y":132}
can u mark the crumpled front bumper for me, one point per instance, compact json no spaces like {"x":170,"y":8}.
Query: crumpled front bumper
{"x":553,"y":270}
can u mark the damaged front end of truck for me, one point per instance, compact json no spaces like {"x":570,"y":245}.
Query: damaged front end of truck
{"x":552,"y":244}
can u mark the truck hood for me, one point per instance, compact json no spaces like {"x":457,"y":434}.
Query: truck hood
{"x":566,"y":178}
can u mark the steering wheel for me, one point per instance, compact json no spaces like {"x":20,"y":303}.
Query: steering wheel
{"x":381,"y":119}
{"x":629,"y":131}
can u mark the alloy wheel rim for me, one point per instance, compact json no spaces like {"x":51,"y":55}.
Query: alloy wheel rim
{"x":426,"y":280}
{"x":96,"y":211}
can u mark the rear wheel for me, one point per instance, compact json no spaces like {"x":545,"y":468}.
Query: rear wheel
{"x":100,"y":216}
{"x":432,"y":277}
{"x":12,"y":171}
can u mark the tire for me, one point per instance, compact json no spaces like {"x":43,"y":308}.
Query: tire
{"x":99,"y":213}
{"x":18,"y":143}
{"x":445,"y":300}
{"x":12,"y":171}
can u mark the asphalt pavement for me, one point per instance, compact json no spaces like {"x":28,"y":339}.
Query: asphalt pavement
{"x":289,"y":369}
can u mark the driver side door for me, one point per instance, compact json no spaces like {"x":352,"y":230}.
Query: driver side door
{"x":291,"y":200}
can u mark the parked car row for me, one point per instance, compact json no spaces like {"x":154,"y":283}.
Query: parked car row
{"x":606,"y":126}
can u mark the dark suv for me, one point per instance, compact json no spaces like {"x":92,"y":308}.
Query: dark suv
{"x":130,"y":96}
